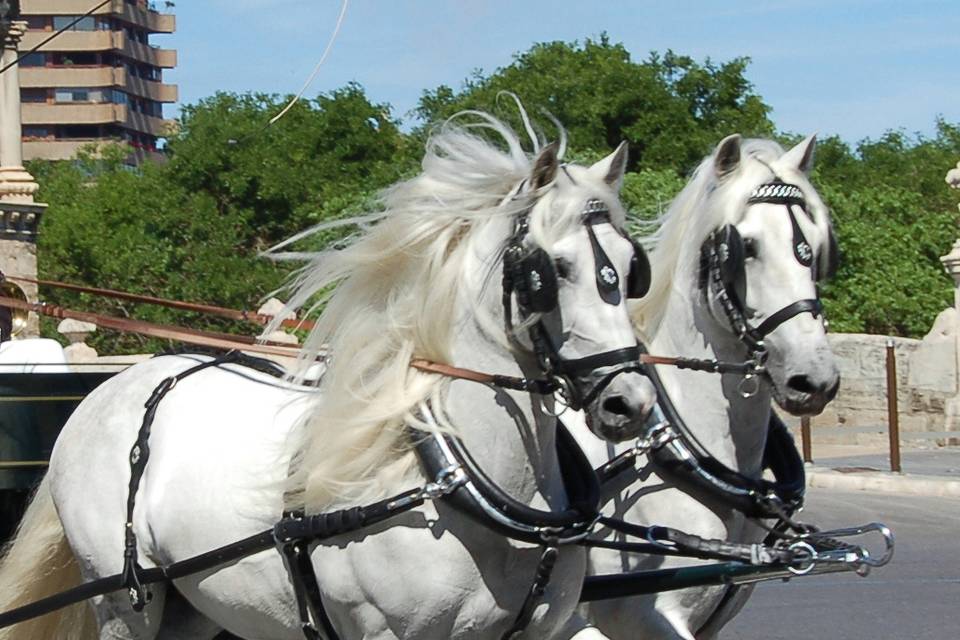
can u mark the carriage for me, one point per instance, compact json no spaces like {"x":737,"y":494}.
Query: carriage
{"x":407,"y":497}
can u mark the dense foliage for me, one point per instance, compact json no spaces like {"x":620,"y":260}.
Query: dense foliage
{"x":193,"y":228}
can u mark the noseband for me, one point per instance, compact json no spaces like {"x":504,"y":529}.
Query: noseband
{"x":531,"y":275}
{"x":722,"y":271}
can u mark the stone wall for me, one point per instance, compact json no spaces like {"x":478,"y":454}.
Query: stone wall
{"x":926,"y":379}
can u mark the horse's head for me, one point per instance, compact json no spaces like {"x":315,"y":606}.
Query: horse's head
{"x":760,"y":268}
{"x":572,"y":268}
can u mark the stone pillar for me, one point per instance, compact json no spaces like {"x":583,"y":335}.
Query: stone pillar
{"x":16,"y":185}
{"x":951,"y":263}
{"x":19,"y":214}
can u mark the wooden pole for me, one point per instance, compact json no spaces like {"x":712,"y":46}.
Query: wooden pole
{"x":893,"y":415}
{"x":805,"y":439}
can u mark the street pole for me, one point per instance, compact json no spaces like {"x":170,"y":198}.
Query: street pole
{"x":893,"y":415}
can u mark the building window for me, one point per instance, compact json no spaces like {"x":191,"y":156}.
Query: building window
{"x":36,"y":22}
{"x":78,"y":132}
{"x":72,"y":95}
{"x":74,"y":58}
{"x":88,"y":23}
{"x":34,"y":60}
{"x":36,"y":132}
{"x":33,"y":95}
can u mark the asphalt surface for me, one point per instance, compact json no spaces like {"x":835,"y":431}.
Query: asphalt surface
{"x":942,"y":462}
{"x":916,"y":596}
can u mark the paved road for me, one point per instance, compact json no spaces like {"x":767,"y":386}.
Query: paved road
{"x":943,"y":462}
{"x":916,"y":597}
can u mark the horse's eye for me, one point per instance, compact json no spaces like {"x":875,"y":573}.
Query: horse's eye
{"x":749,"y":248}
{"x":563,"y":268}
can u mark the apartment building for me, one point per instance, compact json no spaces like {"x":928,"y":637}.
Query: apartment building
{"x":100,"y":80}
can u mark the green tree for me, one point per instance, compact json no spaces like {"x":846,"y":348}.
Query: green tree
{"x":894,"y":217}
{"x":193,"y":228}
{"x":284,"y":177}
{"x":670,"y":108}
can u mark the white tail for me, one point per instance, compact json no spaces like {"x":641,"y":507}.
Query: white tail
{"x":37,"y":563}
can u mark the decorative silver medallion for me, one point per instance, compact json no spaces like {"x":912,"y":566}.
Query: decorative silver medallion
{"x":608,"y":275}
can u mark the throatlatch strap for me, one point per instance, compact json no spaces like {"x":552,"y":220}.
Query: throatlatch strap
{"x":139,"y":455}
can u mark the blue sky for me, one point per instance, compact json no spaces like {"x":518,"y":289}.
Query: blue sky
{"x":851,"y":67}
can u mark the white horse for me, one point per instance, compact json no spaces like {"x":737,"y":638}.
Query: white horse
{"x":683,"y":316}
{"x":232,"y":448}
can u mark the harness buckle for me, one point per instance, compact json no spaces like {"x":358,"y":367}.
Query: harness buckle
{"x":659,"y":435}
{"x":557,"y":536}
{"x":448,"y":480}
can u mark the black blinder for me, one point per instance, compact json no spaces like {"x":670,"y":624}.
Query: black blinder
{"x":727,"y":244}
{"x":732,"y":255}
{"x":638,"y":280}
{"x":608,"y":282}
{"x":537,"y":287}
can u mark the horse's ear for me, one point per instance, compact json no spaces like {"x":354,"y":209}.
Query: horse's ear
{"x":801,"y":156}
{"x":545,"y":166}
{"x":612,"y":168}
{"x":726,"y":159}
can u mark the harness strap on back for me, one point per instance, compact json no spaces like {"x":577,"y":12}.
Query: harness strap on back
{"x":139,"y":455}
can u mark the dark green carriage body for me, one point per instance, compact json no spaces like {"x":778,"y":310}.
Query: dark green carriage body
{"x":33,"y":409}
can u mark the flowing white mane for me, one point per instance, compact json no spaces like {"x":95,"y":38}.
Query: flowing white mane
{"x":389,"y":297}
{"x":706,"y":203}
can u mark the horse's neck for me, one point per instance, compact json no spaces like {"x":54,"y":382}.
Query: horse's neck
{"x":510,"y":438}
{"x":732,"y":428}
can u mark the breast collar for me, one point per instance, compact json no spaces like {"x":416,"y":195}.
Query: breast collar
{"x":484,"y":502}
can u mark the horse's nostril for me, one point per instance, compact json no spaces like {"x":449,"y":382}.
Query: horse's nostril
{"x":617,"y":405}
{"x":801,"y":384}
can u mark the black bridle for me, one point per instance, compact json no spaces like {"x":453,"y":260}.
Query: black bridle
{"x":721,"y":271}
{"x":529,"y":275}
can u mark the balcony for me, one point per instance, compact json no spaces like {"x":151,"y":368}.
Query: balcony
{"x":72,"y":114}
{"x":54,"y":77}
{"x":143,"y":123}
{"x":152,"y":21}
{"x":148,"y":89}
{"x":163,"y":58}
{"x":93,"y":41}
{"x":93,"y":114}
{"x":94,"y":77}
{"x":52,"y":149}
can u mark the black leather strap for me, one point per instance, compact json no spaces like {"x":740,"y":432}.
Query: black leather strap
{"x":774,"y":320}
{"x":139,"y":455}
{"x":627,"y":355}
{"x":296,"y":555}
{"x":548,"y":558}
